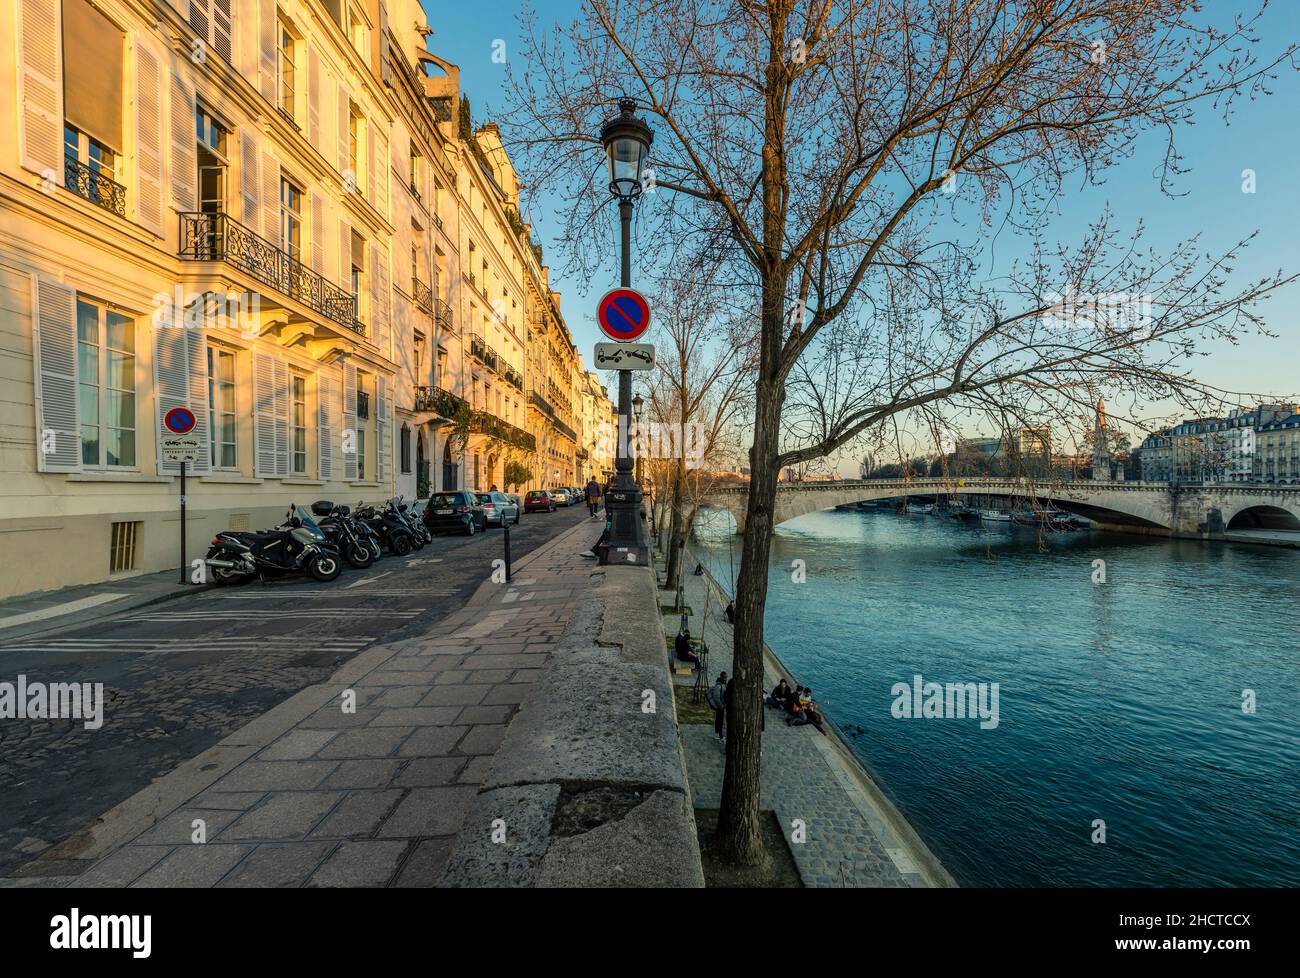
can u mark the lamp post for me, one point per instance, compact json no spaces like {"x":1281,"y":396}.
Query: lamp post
{"x":626,"y":139}
{"x":637,"y":404}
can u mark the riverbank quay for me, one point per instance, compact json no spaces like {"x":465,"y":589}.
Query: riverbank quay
{"x":372,"y":778}
{"x":852,"y":835}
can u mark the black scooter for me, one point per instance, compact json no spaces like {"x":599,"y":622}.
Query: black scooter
{"x":297,"y":545}
{"x":389,"y":527}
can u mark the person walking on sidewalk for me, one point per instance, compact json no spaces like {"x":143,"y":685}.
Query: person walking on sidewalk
{"x":718,"y":701}
{"x":593,"y":497}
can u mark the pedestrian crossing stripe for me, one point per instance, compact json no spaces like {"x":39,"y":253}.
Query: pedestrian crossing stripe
{"x":267,"y":614}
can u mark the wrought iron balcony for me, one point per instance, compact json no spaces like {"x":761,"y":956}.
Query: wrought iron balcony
{"x":438,"y":221}
{"x":415,"y":192}
{"x":477,"y":347}
{"x":423,"y":295}
{"x":511,"y":376}
{"x":492,"y":426}
{"x":219,"y":237}
{"x":443,"y":402}
{"x":89,"y":184}
{"x":442,"y":315}
{"x":542,"y":404}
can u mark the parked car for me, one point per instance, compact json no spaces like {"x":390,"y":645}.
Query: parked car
{"x":498,"y":508}
{"x":539,"y":501}
{"x":457,"y":512}
{"x":561,"y":497}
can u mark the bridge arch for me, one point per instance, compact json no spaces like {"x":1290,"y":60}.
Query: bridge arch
{"x":1263,"y":517}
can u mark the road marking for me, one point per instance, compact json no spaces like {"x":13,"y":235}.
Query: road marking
{"x":423,"y":560}
{"x":365,"y":580}
{"x":67,"y":608}
{"x":276,"y":595}
{"x":261,"y":614}
{"x":198,"y":644}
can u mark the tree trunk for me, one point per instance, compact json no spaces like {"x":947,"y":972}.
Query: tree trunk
{"x":739,"y":835}
{"x":677,"y":532}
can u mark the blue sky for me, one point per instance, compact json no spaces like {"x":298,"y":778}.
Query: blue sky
{"x":1263,"y":136}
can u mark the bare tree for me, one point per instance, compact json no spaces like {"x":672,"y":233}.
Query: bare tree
{"x":848,"y":160}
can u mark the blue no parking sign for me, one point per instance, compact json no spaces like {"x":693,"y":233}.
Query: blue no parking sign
{"x":623,"y":315}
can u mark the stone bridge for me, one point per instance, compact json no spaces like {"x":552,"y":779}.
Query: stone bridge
{"x":1137,"y":507}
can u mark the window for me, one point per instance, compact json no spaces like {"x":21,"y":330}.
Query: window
{"x":221,"y":407}
{"x":358,"y":29}
{"x":363,"y":415}
{"x":291,"y":219}
{"x":284,"y":55}
{"x":415,"y":173}
{"x":406,"y":448}
{"x":89,"y":151}
{"x":415,"y":266}
{"x":212,"y":161}
{"x":298,"y":422}
{"x":106,"y":374}
{"x":357,"y":277}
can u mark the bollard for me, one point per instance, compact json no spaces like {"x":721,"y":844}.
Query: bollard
{"x":505,"y":526}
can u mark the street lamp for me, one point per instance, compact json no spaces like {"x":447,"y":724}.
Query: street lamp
{"x":626,"y":139}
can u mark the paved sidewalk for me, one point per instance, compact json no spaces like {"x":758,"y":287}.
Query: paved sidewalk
{"x":851,"y":838}
{"x":41,"y":611}
{"x":364,"y":780}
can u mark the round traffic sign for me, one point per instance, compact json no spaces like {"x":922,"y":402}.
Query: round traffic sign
{"x":179,"y":420}
{"x":623,"y":314}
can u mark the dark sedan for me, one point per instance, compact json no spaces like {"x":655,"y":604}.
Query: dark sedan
{"x":455,"y":512}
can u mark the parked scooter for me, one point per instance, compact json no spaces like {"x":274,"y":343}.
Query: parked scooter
{"x":297,"y":545}
{"x":420,"y":534}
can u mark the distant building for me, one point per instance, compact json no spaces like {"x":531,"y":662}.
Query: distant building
{"x":1277,"y":452}
{"x":1109,"y":448}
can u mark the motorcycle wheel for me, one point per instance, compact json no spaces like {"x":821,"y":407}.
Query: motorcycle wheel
{"x":224,"y":575}
{"x":417,"y":541}
{"x":400,"y":544}
{"x":359,"y":556}
{"x":324,"y":567}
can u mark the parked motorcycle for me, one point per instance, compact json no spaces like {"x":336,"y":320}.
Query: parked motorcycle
{"x":297,"y":545}
{"x":344,"y":533}
{"x":391,"y":530}
{"x":419,"y":533}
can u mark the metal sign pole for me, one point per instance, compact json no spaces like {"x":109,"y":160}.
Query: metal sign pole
{"x":184,"y":577}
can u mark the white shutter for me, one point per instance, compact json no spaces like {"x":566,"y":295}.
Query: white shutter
{"x":264,"y":413}
{"x":380,"y":294}
{"x":281,"y":418}
{"x":349,"y":421}
{"x":372,"y":168}
{"x":198,"y":381}
{"x":184,"y":162}
{"x":270,"y":199}
{"x":327,"y":393}
{"x":313,"y":98}
{"x":40,"y":89}
{"x":345,"y":118}
{"x":54,"y":346}
{"x":379,"y":195}
{"x":266,"y":27}
{"x":148,"y":189}
{"x":248,"y":177}
{"x":317,"y":233}
{"x":382,"y":433}
{"x":345,"y":258}
{"x":221,"y":28}
{"x":171,"y":378}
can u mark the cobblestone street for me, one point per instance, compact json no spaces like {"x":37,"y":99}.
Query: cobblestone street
{"x":182,"y":675}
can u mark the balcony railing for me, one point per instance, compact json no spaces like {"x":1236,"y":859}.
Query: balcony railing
{"x":477,"y":347}
{"x":219,"y":237}
{"x":511,"y":376}
{"x":423,"y":295}
{"x":502,"y":431}
{"x":442,"y":315}
{"x":549,"y":411}
{"x":443,"y":402}
{"x":89,"y":184}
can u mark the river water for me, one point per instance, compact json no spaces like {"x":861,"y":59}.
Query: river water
{"x":1119,"y":702}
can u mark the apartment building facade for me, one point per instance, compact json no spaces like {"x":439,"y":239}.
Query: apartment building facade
{"x":260,"y":210}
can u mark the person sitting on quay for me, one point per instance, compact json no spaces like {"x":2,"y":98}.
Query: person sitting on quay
{"x":686,"y":648}
{"x":806,"y":712}
{"x":780,"y":695}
